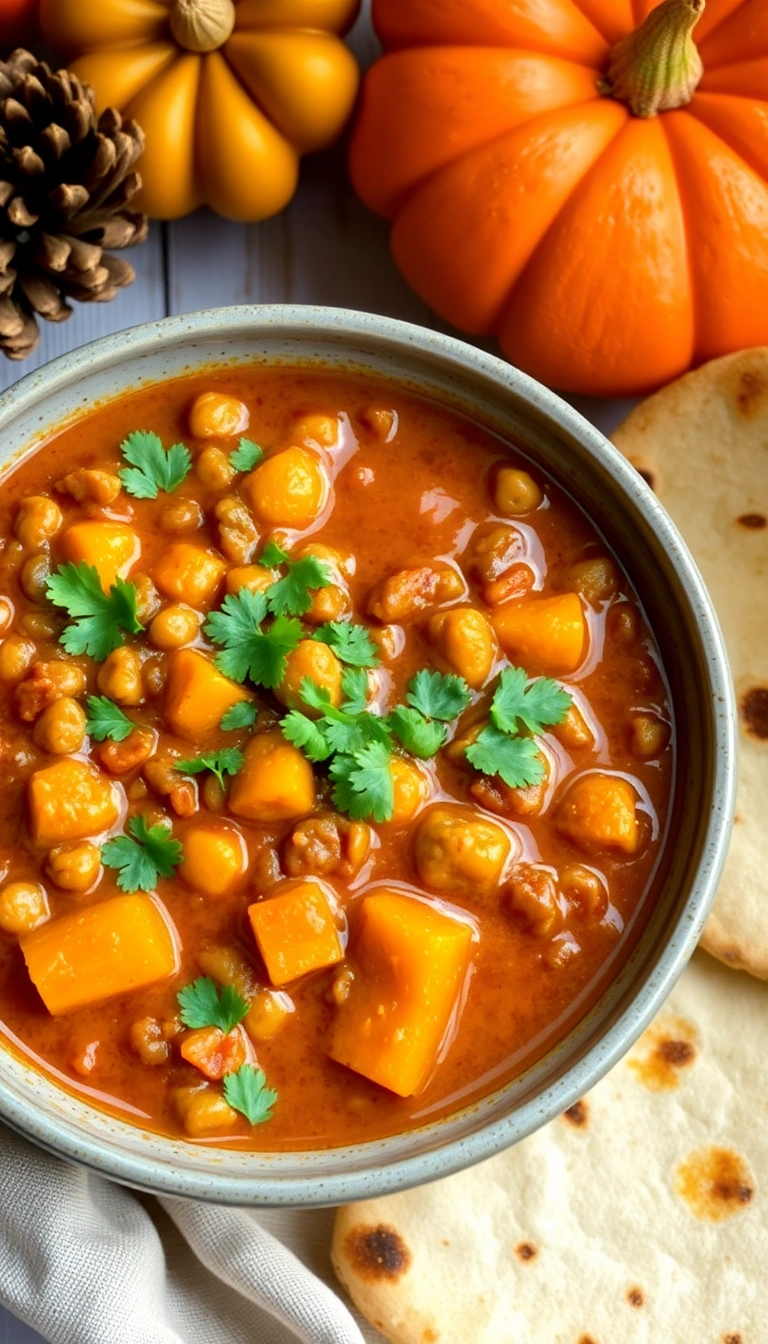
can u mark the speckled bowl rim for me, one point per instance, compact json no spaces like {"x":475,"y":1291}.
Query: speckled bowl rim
{"x":35,"y":1106}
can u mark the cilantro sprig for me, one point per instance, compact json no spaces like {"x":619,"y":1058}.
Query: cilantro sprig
{"x":107,"y":720}
{"x":518,"y":703}
{"x":100,"y":620}
{"x":203,"y":1005}
{"x":227,"y":761}
{"x":246,"y":1091}
{"x":248,"y":649}
{"x":152,"y":468}
{"x":241,"y":715}
{"x":434,"y":700}
{"x":362,"y":782}
{"x":351,"y":643}
{"x":246,"y":455}
{"x":148,"y":853}
{"x":292,"y":594}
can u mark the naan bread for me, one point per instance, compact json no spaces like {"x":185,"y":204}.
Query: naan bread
{"x":638,"y":1217}
{"x":702,"y":444}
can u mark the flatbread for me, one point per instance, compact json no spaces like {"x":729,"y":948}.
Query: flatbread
{"x":702,"y":444}
{"x":639,"y":1216}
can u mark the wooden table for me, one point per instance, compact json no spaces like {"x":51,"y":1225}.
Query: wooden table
{"x":325,"y":248}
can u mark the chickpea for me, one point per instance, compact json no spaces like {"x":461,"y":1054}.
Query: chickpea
{"x":120,"y":677}
{"x":23,"y":905}
{"x":531,"y":896}
{"x":319,"y":663}
{"x":411,"y":788}
{"x":622,"y":623}
{"x":327,"y":845}
{"x":147,"y":1040}
{"x":514,"y":492}
{"x":38,"y":519}
{"x":648,"y":736}
{"x":411,"y":592}
{"x":289,"y":489}
{"x":203,"y":1111}
{"x":174,"y":627}
{"x":381,"y":421}
{"x":574,"y":732}
{"x":584,"y":888}
{"x":256,"y":578}
{"x":6,"y":614}
{"x":215,"y":415}
{"x":596,"y":579}
{"x":458,"y":852}
{"x":41,"y":624}
{"x":214,"y":469}
{"x":74,"y":867}
{"x":268,"y":1012}
{"x":320,"y":429}
{"x":341,"y":562}
{"x":61,"y":727}
{"x":491,"y":792}
{"x":35,"y":574}
{"x":496,"y":562}
{"x":464,"y":640}
{"x":16,"y":655}
{"x":562,"y":949}
{"x":228,"y":966}
{"x":153,"y":675}
{"x":182,"y":515}
{"x":91,"y":487}
{"x":147,"y":597}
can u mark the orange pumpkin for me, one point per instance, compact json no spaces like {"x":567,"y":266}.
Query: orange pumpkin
{"x":608,"y":251}
{"x":229,"y":93}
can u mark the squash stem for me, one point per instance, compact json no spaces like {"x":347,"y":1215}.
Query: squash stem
{"x":658,"y":67}
{"x":202,"y":25}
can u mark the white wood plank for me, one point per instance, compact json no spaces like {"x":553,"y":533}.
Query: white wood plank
{"x":143,"y":301}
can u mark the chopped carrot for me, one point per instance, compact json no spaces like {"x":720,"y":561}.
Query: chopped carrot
{"x":112,"y":548}
{"x":197,"y":695}
{"x":70,"y":800}
{"x":215,"y":1052}
{"x":544,"y":634}
{"x":410,"y":961}
{"x":114,"y":947}
{"x":296,"y":932}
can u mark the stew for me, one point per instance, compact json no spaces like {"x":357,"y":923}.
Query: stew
{"x":337,"y":759}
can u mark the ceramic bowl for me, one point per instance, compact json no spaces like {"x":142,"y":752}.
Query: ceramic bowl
{"x":685,"y":627}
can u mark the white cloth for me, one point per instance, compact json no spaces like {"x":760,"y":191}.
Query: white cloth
{"x":86,"y":1261}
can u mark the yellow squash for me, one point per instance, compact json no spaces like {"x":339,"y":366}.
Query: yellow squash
{"x":230,"y":95}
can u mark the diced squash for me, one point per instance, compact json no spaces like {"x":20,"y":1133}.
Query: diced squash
{"x":189,"y":573}
{"x":203,"y":1111}
{"x":543,"y":634}
{"x":296,"y":932}
{"x":275,"y":783}
{"x":70,"y":800}
{"x":410,"y":961}
{"x":112,"y":549}
{"x":215,"y":1052}
{"x":114,"y":947}
{"x":316,"y":661}
{"x":197,"y":695}
{"x":458,"y":852}
{"x":288,"y":489}
{"x":215,"y":856}
{"x":600,"y":812}
{"x":411,"y":787}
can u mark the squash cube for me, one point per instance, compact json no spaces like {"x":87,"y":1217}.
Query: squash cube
{"x":288,"y":489}
{"x":70,"y":800}
{"x":189,"y":573}
{"x":600,"y":812}
{"x":410,"y":963}
{"x":296,"y":932}
{"x":197,"y":694}
{"x":114,"y":947}
{"x":275,"y":783}
{"x":215,"y":856}
{"x":112,"y":549}
{"x":544,"y":634}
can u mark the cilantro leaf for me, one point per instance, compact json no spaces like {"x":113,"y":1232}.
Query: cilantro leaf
{"x":363,"y":783}
{"x":151,"y":854}
{"x":515,"y":759}
{"x":241,"y":715}
{"x":250,"y":651}
{"x":152,"y":468}
{"x":351,"y":643}
{"x":419,"y":736}
{"x":437,"y":696}
{"x":302,"y":732}
{"x":246,"y":1091}
{"x":99,"y":618}
{"x":203,"y":1005}
{"x":227,"y":761}
{"x":293,"y":593}
{"x":106,"y":719}
{"x":354,"y":684}
{"x":272,"y":556}
{"x":535,"y":704}
{"x":344,"y":731}
{"x":245,"y":456}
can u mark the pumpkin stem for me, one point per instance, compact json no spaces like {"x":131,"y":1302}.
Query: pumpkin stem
{"x":657,"y":67}
{"x":202,"y":25}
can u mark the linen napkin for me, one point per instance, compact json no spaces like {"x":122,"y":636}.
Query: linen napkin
{"x":86,"y":1261}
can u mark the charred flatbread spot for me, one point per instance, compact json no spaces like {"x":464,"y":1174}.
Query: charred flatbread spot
{"x":586,"y":1339}
{"x":754,"y":711}
{"x":753,"y":388}
{"x":377,"y":1252}
{"x":732,"y":1339}
{"x":429,"y":1336}
{"x":667,"y":1047}
{"x":635,"y":1297}
{"x":525,"y":1251}
{"x":754,"y":522}
{"x":577,"y":1114}
{"x":715,"y":1183}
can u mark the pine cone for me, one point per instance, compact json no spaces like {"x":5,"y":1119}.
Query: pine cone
{"x":66,"y":178}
